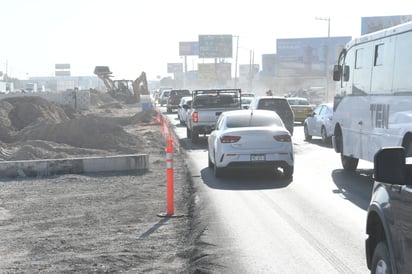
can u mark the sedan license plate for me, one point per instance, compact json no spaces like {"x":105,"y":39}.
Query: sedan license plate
{"x":257,"y":157}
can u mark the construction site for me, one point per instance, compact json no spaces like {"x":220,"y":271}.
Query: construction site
{"x":105,"y":221}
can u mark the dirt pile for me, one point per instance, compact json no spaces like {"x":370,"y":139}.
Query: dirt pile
{"x":19,"y":112}
{"x":33,"y":128}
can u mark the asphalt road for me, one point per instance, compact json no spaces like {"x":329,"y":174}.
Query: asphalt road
{"x":263,"y":223}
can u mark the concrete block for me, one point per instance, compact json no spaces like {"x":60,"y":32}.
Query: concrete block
{"x":48,"y":167}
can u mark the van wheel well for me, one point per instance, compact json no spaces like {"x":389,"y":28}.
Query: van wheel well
{"x":338,"y":139}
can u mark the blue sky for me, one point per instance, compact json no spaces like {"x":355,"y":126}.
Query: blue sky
{"x":132,"y":36}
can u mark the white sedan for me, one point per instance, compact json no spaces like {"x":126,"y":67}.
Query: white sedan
{"x":320,"y":123}
{"x":250,"y":139}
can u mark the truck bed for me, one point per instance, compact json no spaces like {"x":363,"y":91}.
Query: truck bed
{"x":207,"y":105}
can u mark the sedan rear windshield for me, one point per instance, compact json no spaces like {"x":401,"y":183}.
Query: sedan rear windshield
{"x":273,"y":104}
{"x":252,"y":121}
{"x":298,"y":102}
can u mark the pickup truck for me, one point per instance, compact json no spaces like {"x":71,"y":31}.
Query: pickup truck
{"x":206,"y":107}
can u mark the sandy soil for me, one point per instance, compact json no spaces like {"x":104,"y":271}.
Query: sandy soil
{"x":93,"y":223}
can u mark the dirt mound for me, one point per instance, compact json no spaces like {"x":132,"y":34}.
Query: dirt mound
{"x":30,"y":110}
{"x":16,"y":113}
{"x":39,"y":149}
{"x":34,"y":128}
{"x":85,"y":132}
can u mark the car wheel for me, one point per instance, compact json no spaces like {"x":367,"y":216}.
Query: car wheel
{"x":306,"y":131}
{"x":324,"y":135}
{"x":380,"y":260}
{"x":217,"y":171}
{"x":210,"y":163}
{"x":188,"y":133}
{"x":349,"y":163}
{"x":288,"y":171}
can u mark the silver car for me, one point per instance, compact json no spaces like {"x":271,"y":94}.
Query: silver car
{"x":183,"y":108}
{"x":164,"y":96}
{"x":250,"y":139}
{"x":320,"y":123}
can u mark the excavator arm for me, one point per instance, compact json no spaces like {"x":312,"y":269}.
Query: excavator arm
{"x":104,"y":73}
{"x":140,"y":86}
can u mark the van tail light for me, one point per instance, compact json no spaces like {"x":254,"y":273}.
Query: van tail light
{"x":225,"y":139}
{"x":283,"y":138}
{"x":195,"y":117}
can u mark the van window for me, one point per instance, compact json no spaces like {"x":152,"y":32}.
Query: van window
{"x":378,"y":55}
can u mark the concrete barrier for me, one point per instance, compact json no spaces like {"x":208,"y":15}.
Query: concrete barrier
{"x":47,"y":167}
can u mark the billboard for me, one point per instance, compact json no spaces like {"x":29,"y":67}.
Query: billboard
{"x":215,"y":46}
{"x":174,"y":67}
{"x":307,"y":56}
{"x":214,"y":71}
{"x":188,"y":48}
{"x":62,"y":66}
{"x":372,"y":24}
{"x":62,"y":73}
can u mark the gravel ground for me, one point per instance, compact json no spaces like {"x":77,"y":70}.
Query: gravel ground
{"x":99,"y":223}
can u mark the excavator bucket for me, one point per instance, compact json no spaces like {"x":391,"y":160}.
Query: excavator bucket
{"x":102,"y":70}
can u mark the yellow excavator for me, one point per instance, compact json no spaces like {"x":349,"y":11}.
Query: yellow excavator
{"x":127,"y":90}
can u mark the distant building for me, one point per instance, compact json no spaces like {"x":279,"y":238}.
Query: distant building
{"x":6,"y":87}
{"x":372,"y":24}
{"x":62,"y":83}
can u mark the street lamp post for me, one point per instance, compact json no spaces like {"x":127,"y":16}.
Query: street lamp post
{"x":237,"y":52}
{"x":327,"y":56}
{"x":251,"y":73}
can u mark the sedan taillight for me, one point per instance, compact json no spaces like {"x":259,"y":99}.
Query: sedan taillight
{"x":195,"y":117}
{"x":283,"y":138}
{"x":229,"y":139}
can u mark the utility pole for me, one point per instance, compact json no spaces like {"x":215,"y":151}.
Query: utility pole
{"x":251,"y":69}
{"x":327,"y":56}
